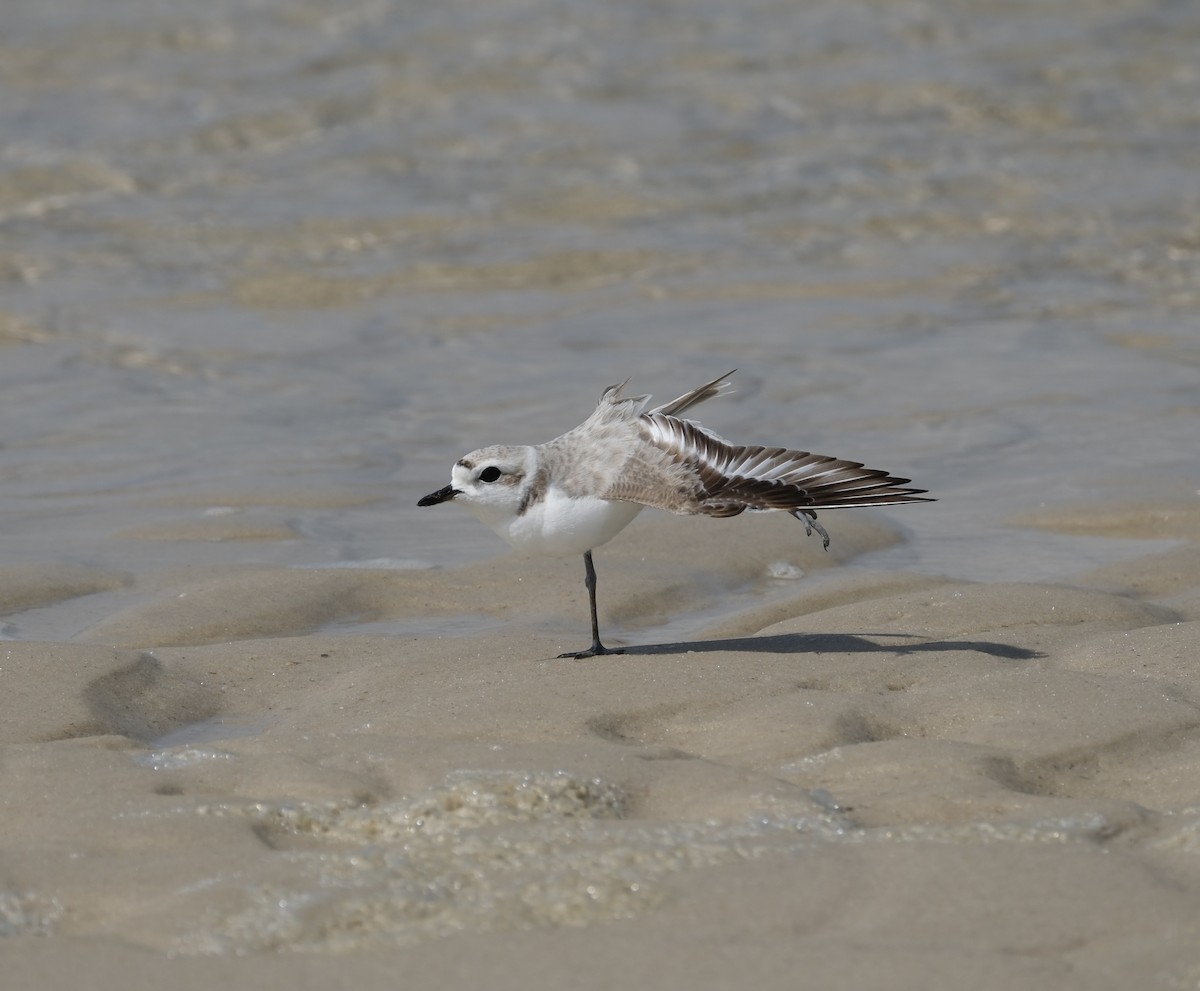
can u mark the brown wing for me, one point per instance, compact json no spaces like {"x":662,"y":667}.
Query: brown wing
{"x":683,"y":468}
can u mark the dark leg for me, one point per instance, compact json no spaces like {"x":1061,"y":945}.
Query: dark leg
{"x":589,"y":579}
{"x":809,"y":519}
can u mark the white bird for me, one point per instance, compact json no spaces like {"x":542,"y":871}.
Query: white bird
{"x":580,"y":490}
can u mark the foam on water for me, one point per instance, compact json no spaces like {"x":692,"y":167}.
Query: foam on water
{"x":176,"y":757}
{"x":496,"y":851}
{"x":28,"y":914}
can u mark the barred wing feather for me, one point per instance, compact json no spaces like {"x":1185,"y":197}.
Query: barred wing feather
{"x":684,"y":468}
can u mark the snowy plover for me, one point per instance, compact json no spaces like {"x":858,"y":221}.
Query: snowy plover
{"x":580,"y":490}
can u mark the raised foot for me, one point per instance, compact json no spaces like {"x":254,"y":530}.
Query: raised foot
{"x":594,"y":650}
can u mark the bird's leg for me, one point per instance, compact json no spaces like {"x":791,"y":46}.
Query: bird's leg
{"x":589,"y":579}
{"x":810,"y":524}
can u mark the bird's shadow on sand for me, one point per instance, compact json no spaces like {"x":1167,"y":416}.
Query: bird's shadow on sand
{"x":834,"y":643}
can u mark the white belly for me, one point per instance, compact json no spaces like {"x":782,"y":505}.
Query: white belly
{"x":559,"y":525}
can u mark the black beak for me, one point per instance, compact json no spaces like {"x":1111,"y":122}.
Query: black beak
{"x":441,"y":495}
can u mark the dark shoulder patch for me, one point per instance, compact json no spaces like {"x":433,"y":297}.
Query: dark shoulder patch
{"x":536,"y":491}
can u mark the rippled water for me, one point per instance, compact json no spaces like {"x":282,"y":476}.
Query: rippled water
{"x":267,"y":269}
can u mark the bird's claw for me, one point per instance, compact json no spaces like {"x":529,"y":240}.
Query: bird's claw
{"x":594,"y":650}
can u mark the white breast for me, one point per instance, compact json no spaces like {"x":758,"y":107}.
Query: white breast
{"x":561,"y":525}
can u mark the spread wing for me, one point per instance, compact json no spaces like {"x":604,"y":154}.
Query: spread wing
{"x":683,"y":468}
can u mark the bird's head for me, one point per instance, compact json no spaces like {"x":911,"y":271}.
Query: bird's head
{"x":491,"y":482}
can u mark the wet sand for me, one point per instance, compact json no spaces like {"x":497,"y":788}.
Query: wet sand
{"x":858,"y":779}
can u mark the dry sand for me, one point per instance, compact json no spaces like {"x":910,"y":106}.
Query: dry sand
{"x":854,"y":780}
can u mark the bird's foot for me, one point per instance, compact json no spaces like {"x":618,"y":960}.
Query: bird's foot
{"x":595,"y":650}
{"x":810,"y":524}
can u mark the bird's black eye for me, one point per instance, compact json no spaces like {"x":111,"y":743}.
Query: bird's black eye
{"x":489,"y":474}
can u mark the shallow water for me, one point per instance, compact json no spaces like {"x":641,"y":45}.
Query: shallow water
{"x":267,"y":272}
